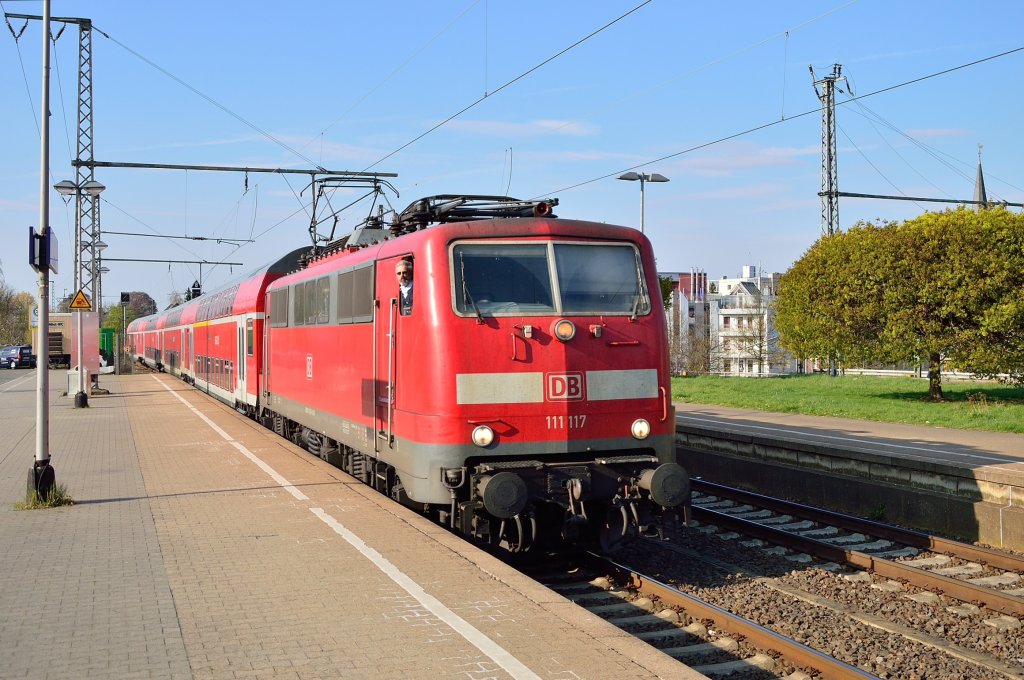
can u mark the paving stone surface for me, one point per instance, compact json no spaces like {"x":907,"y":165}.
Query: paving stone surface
{"x":184,"y":558}
{"x":83,"y":589}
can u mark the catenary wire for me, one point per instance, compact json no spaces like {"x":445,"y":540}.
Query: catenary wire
{"x":507,"y":84}
{"x":211,"y":100}
{"x":942,"y":157}
{"x":765,"y":126}
{"x":394,"y":72}
{"x":24,"y":75}
{"x":874,"y":118}
{"x":875,"y":167}
{"x":705,"y":66}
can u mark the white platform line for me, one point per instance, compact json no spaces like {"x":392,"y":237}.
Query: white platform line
{"x":284,"y":483}
{"x":513,"y":666}
{"x":18,"y":381}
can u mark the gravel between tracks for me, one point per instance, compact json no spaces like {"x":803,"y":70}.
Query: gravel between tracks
{"x":882,"y":653}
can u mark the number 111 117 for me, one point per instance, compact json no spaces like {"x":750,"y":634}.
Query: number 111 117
{"x":574,"y":422}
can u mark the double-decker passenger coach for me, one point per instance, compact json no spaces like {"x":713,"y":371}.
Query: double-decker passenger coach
{"x":513,"y":382}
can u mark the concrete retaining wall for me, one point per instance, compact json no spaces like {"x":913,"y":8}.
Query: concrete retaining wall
{"x":980,"y":505}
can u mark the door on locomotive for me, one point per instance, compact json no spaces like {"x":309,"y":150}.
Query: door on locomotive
{"x":393,"y":274}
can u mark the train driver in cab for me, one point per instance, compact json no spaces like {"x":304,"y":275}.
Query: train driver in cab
{"x":403,"y":271}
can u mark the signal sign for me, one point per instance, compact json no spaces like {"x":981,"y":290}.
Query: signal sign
{"x":81,"y":302}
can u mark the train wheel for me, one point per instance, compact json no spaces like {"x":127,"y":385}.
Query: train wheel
{"x":616,"y":529}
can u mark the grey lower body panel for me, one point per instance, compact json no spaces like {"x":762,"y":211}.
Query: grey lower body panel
{"x":420,"y":465}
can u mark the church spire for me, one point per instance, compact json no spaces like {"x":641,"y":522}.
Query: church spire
{"x":979,"y":186}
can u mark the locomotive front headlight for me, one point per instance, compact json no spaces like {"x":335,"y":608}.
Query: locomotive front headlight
{"x":641,"y":429}
{"x":563,"y":329}
{"x":483,"y":435}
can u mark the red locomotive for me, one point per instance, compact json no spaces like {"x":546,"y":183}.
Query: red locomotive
{"x":513,"y":382}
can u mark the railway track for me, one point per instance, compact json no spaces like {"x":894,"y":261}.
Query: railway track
{"x":971,"y":574}
{"x":730,"y":600}
{"x":709,"y":639}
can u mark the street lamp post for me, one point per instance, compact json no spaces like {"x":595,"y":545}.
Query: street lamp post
{"x":94,"y":189}
{"x":643,"y":177}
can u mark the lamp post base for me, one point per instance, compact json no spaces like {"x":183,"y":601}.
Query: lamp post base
{"x":41,"y":479}
{"x":81,"y":400}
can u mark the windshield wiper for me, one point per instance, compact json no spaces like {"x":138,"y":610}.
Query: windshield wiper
{"x":465,"y":289}
{"x":639,"y":288}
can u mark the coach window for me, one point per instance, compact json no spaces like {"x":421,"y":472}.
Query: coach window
{"x":309,"y":301}
{"x":323,"y":299}
{"x":298,"y":311}
{"x":355,"y":296}
{"x":248,"y":337}
{"x":345,"y":297}
{"x":279,"y":308}
{"x":362,"y":295}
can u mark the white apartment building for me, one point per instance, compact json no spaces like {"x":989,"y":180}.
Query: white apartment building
{"x":740,"y":316}
{"x":687,"y":322}
{"x":725,"y":326}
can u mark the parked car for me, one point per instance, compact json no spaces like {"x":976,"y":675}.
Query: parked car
{"x":16,"y":356}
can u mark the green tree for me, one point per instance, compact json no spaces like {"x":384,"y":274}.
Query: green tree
{"x":113,"y":319}
{"x":64,"y":304}
{"x":14,"y":310}
{"x":667,"y":286}
{"x":991,"y":342}
{"x":817,"y":310}
{"x":944,"y":287}
{"x":141,"y":304}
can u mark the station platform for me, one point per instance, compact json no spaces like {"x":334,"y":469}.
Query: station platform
{"x":201,"y":545}
{"x":963,"y":483}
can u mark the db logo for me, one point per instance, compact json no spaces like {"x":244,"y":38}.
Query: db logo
{"x":565,"y":386}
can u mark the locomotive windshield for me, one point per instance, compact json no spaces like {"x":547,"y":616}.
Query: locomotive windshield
{"x":498,"y":279}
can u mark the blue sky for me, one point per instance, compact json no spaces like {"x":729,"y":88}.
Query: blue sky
{"x":345,"y":84}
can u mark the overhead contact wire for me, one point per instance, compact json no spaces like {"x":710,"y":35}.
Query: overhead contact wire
{"x":511,"y":82}
{"x":211,"y":100}
{"x":764,"y":126}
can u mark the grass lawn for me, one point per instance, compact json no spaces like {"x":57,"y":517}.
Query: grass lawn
{"x":967,"y":405}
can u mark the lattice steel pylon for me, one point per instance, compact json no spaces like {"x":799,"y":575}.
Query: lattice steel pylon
{"x":88,"y":253}
{"x":88,"y":235}
{"x":829,"y":159}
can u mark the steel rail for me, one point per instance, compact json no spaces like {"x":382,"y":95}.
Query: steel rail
{"x":796,"y":652}
{"x":961,"y":590}
{"x":917,"y":539}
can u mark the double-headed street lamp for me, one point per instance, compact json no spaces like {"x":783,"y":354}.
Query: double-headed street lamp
{"x":643,"y":177}
{"x":69,"y":188}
